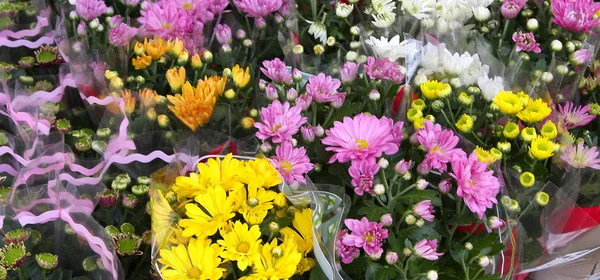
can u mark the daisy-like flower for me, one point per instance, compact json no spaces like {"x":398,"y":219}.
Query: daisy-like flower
{"x":121,"y":35}
{"x":279,"y":122}
{"x":198,"y":260}
{"x":476,"y":184}
{"x":360,"y":138}
{"x":454,"y":64}
{"x":383,"y":69}
{"x":165,"y":20}
{"x":241,"y":245}
{"x":277,"y":261}
{"x":392,"y":49}
{"x":541,"y":148}
{"x":318,"y":31}
{"x":365,"y":234}
{"x":576,"y":16}
{"x":581,"y":157}
{"x":258,"y":8}
{"x":526,"y":42}
{"x":303,"y":233}
{"x":439,"y":144}
{"x":90,"y":9}
{"x":427,"y":249}
{"x":292,"y":163}
{"x":535,"y":111}
{"x":508,"y":102}
{"x":571,"y":116}
{"x":384,"y":20}
{"x":323,"y":88}
{"x":193,"y":106}
{"x":347,"y":253}
{"x":490,"y":87}
{"x":420,"y":9}
{"x":363,"y":176}
{"x":425,"y":210}
{"x":217,"y":210}
{"x":276,"y":71}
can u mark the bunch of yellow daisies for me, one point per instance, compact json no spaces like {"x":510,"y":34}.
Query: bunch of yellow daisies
{"x":227,"y":219}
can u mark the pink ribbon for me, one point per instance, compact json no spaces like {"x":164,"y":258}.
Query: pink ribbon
{"x":44,"y":40}
{"x":42,"y":21}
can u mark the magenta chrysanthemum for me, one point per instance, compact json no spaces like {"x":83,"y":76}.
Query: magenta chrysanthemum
{"x":440,"y":146}
{"x":571,"y":116}
{"x":363,"y":176}
{"x":90,"y":9}
{"x":121,"y":35}
{"x":476,"y":184}
{"x":276,"y":71}
{"x":348,"y":72}
{"x":361,"y":138}
{"x":427,"y":249}
{"x":279,"y":122}
{"x":258,"y":8}
{"x":383,"y":69}
{"x":194,"y":8}
{"x":165,"y":20}
{"x":425,"y":210}
{"x":581,"y":157}
{"x":526,"y":42}
{"x":323,"y":88}
{"x":366,"y":235}
{"x":292,"y":163}
{"x":575,"y":15}
{"x":511,"y":8}
{"x":346,"y":253}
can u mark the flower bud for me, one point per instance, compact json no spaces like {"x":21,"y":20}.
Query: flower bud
{"x":468,"y":246}
{"x":432,"y":275}
{"x":291,"y":94}
{"x":514,"y":206}
{"x":410,"y":219}
{"x":129,"y":201}
{"x":351,"y":56}
{"x":163,"y":121}
{"x":527,"y":179}
{"x":247,"y":122}
{"x":556,"y":45}
{"x":265,"y":147}
{"x":445,"y":186}
{"x":319,"y":131}
{"x":386,"y":220}
{"x":547,"y":77}
{"x":422,"y":184}
{"x":437,"y":105}
{"x":330,"y":41}
{"x":506,"y":201}
{"x":298,"y":49}
{"x":354,"y":30}
{"x":482,"y":14}
{"x":375,"y":256}
{"x":89,"y":264}
{"x":139,"y":190}
{"x":383,"y":163}
{"x":240,"y":34}
{"x":420,"y":223}
{"x":542,"y":198}
{"x":207,"y":57}
{"x":319,"y":49}
{"x":343,"y":10}
{"x":374,"y":95}
{"x":273,"y":227}
{"x":504,"y":147}
{"x":226,"y":49}
{"x":253,"y":113}
{"x":532,"y":24}
{"x":570,"y":46}
{"x":495,"y":223}
{"x":229,"y":94}
{"x":391,"y":257}
{"x":151,"y":114}
{"x":483,"y":261}
{"x":379,"y":189}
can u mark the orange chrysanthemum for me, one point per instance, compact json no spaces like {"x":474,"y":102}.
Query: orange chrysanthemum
{"x":129,"y":103}
{"x":216,"y":84}
{"x":193,"y":106}
{"x":147,"y":98}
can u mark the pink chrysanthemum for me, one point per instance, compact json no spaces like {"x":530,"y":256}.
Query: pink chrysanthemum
{"x":348,"y":72}
{"x":439,"y":144}
{"x":194,"y":8}
{"x":581,"y":157}
{"x":360,"y":138}
{"x":427,"y":249}
{"x":276,"y":71}
{"x":425,"y":210}
{"x":217,"y":6}
{"x":526,"y":42}
{"x":292,"y":163}
{"x":511,"y":8}
{"x":323,"y":88}
{"x":366,"y":235}
{"x":121,"y":35}
{"x":258,"y":8}
{"x":575,"y":15}
{"x":279,"y":121}
{"x":165,"y":20}
{"x":363,"y":176}
{"x":476,"y":184}
{"x":223,"y":33}
{"x":571,"y":116}
{"x":346,"y":253}
{"x":90,"y":9}
{"x":383,"y":69}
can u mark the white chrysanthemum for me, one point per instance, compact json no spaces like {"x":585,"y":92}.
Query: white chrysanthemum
{"x":383,"y":6}
{"x":477,"y":69}
{"x":420,"y":9}
{"x":490,"y":87}
{"x":455,"y":64}
{"x":430,"y":61}
{"x":392,"y":49}
{"x":455,"y":10}
{"x":319,"y":31}
{"x":384,"y":20}
{"x":343,"y":10}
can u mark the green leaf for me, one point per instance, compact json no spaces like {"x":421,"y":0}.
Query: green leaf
{"x":372,"y":269}
{"x":388,"y":272}
{"x":345,"y":111}
{"x":416,"y":196}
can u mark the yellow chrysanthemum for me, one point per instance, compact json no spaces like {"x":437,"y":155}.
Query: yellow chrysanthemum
{"x":433,"y":89}
{"x":193,"y":107}
{"x":484,"y":156}
{"x":549,"y":130}
{"x":511,"y":130}
{"x":139,"y":48}
{"x":541,"y":148}
{"x":147,"y":97}
{"x":527,"y":179}
{"x":216,"y":84}
{"x":254,"y":216}
{"x":528,"y":134}
{"x":303,"y":235}
{"x":222,"y":172}
{"x":162,"y":215}
{"x":176,"y":78}
{"x":260,"y":172}
{"x":141,"y":62}
{"x":188,"y":187}
{"x":414,"y":114}
{"x":276,"y":261}
{"x":257,"y":205}
{"x":240,"y":77}
{"x":215,"y":212}
{"x":508,"y":102}
{"x":465,"y":123}
{"x":196,"y":61}
{"x":156,"y":47}
{"x":175,"y":47}
{"x":199,"y":260}
{"x":241,"y":245}
{"x":536,"y":111}
{"x":418,"y":104}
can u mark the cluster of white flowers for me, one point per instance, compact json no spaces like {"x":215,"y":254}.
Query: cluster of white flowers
{"x":446,"y":11}
{"x":392,"y":49}
{"x":382,"y":12}
{"x":458,"y":69}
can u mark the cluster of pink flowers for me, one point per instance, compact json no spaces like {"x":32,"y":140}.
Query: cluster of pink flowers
{"x":440,"y":146}
{"x":346,"y":253}
{"x":576,"y":15}
{"x":292,"y":163}
{"x":526,"y":42}
{"x":276,"y":71}
{"x":366,"y":235}
{"x":279,"y":122}
{"x":324,"y":88}
{"x":363,"y":176}
{"x":476,"y":184}
{"x":383,"y":69}
{"x":90,"y":9}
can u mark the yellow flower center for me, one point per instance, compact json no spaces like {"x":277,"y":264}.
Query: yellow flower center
{"x":362,"y":144}
{"x":436,"y":149}
{"x":187,"y":6}
{"x":369,"y":237}
{"x":194,"y":273}
{"x":275,"y":128}
{"x":166,"y":26}
{"x":243,"y":247}
{"x":286,"y":166}
{"x":471,"y":183}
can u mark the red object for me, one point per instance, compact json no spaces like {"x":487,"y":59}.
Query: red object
{"x":88,"y":91}
{"x":295,"y":36}
{"x":575,"y":218}
{"x":398,"y":99}
{"x":470,"y":228}
{"x":231,"y":145}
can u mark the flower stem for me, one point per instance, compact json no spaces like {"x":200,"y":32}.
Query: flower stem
{"x":43,"y":274}
{"x":20,"y":274}
{"x":506,"y":24}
